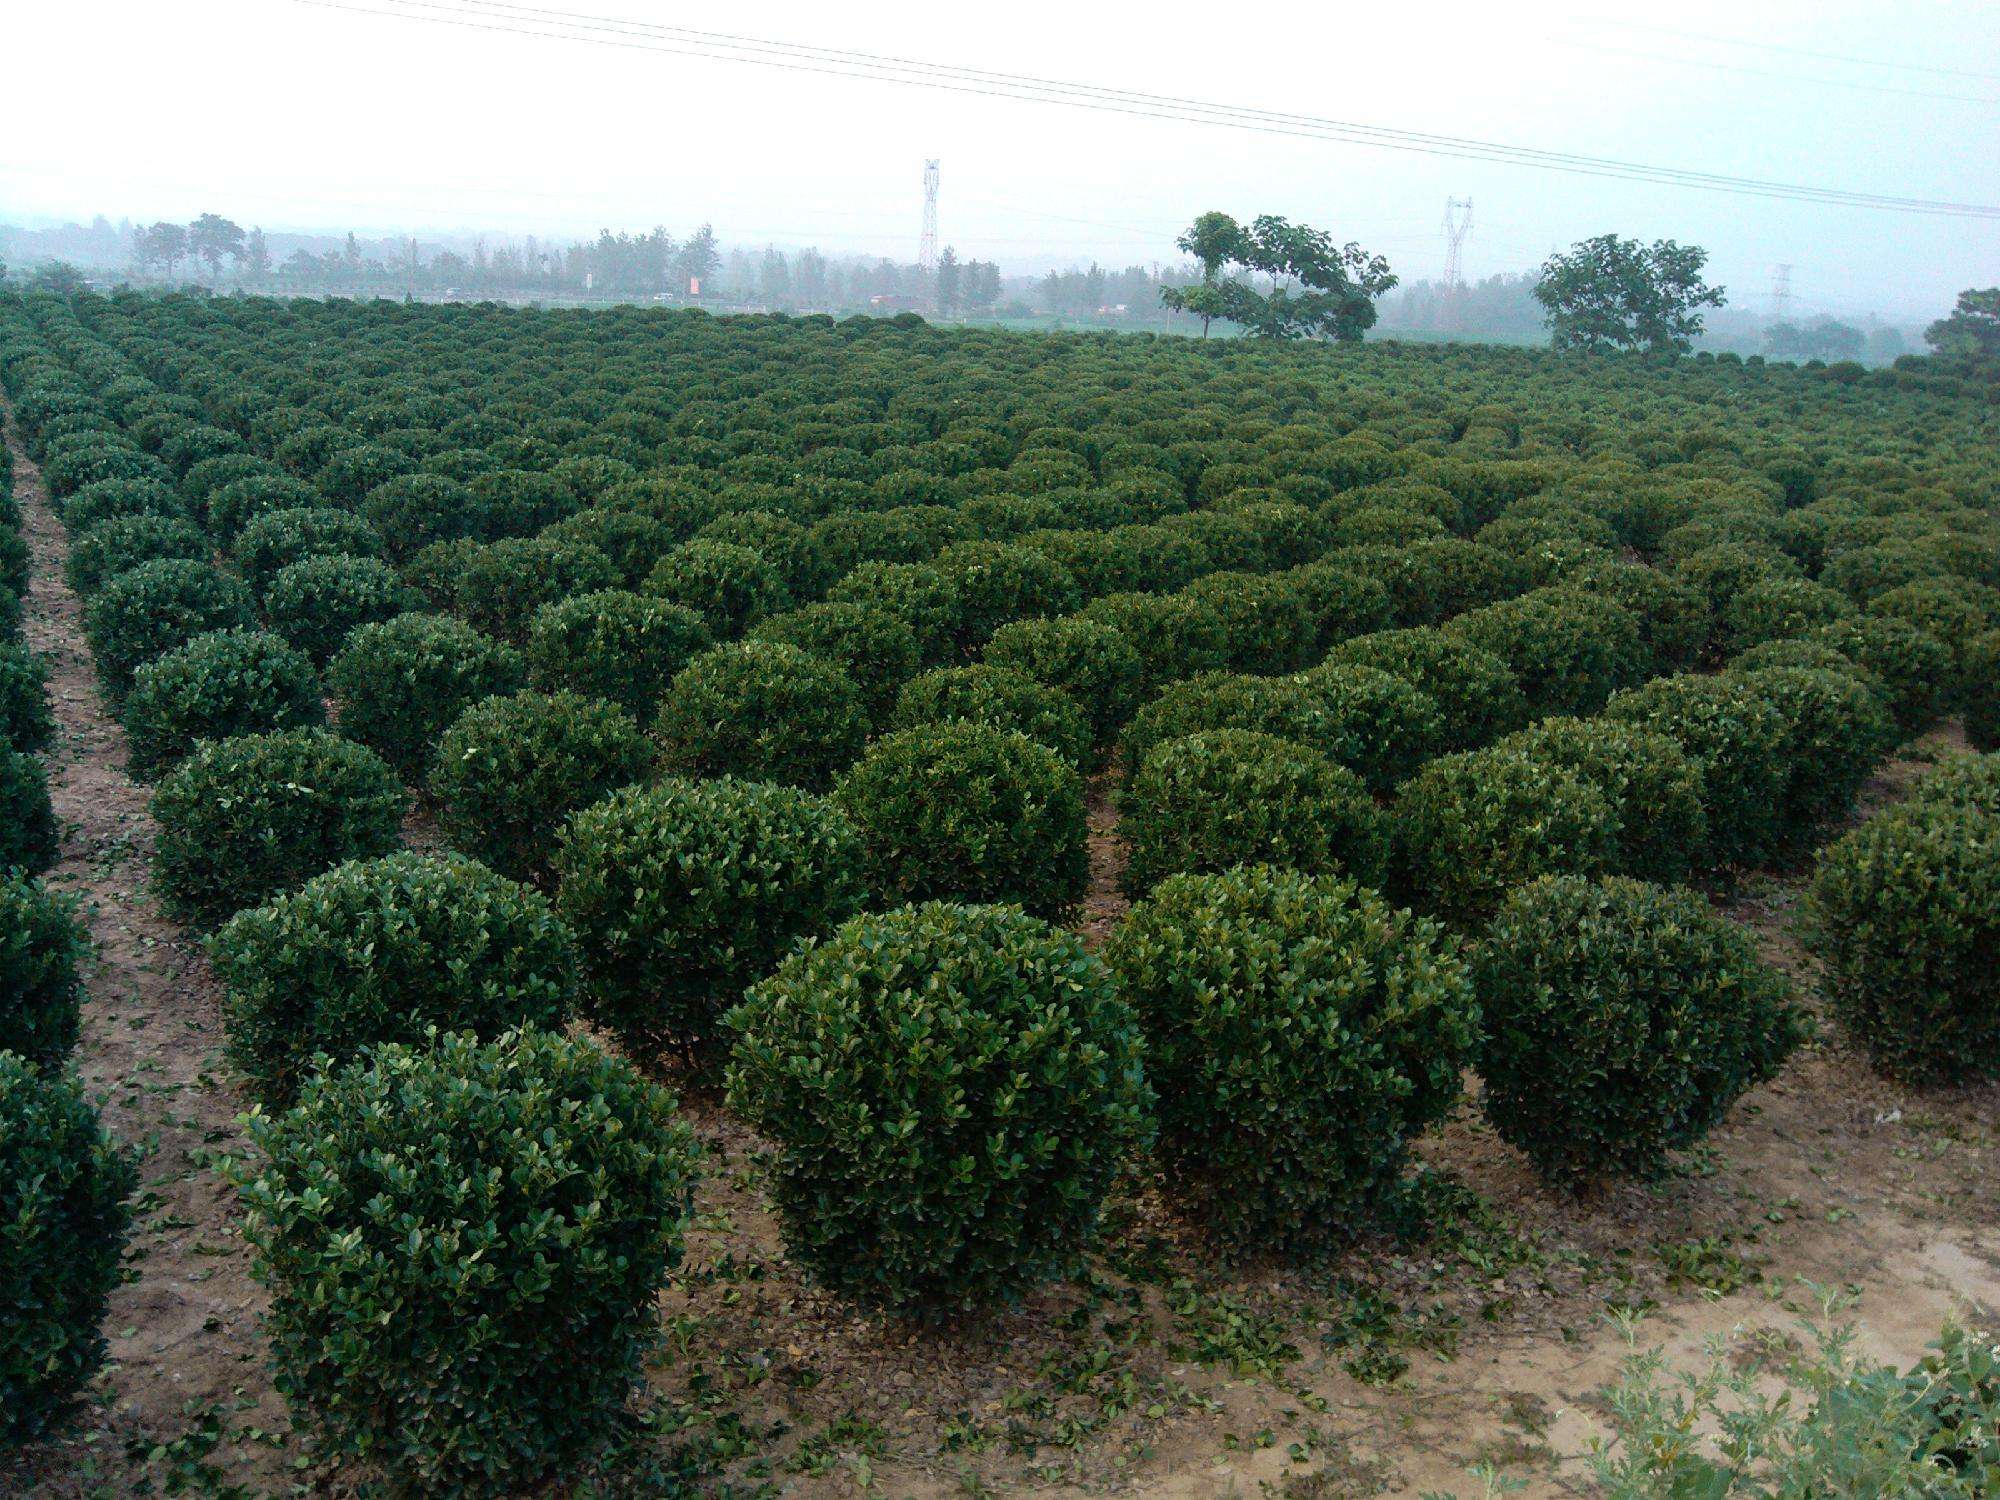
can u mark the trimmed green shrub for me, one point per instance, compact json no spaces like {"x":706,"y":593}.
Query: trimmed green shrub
{"x":1377,"y":725}
{"x":119,"y":543}
{"x":512,"y":770}
{"x":411,"y":512}
{"x":915,"y":593}
{"x":401,"y":683}
{"x":802,"y":564}
{"x":1472,"y":826}
{"x":1342,"y":602}
{"x":614,"y":644}
{"x":42,"y":945}
{"x":243,"y":819}
{"x":381,"y":950}
{"x":1653,"y":789}
{"x":1431,"y":581}
{"x":236,"y":505}
{"x":1569,"y":650}
{"x":1176,"y":635}
{"x":1291,"y":708}
{"x":1265,"y":625}
{"x":1622,"y":1021}
{"x":1981,"y":698}
{"x":1904,"y":916}
{"x":762,"y":711}
{"x":1962,"y":781}
{"x":95,"y":504}
{"x":1950,"y":609}
{"x":684,"y":892}
{"x":997,"y":583}
{"x":64,"y":1218}
{"x":875,"y":648}
{"x":952,"y":1091}
{"x":1917,"y":666}
{"x":149,"y":610}
{"x":26,"y":720}
{"x":1003,"y":699}
{"x":1089,"y":661}
{"x":968,"y":812}
{"x":465,"y":1246}
{"x":29,"y":838}
{"x":1208,"y":802}
{"x":277,"y":539}
{"x":730,"y":587}
{"x":316,"y":604}
{"x":499,"y":587}
{"x":1737,"y":738}
{"x":217,"y":686}
{"x":1780,"y":609}
{"x":1477,"y":695}
{"x":1301,"y":1035}
{"x":1836,"y":730}
{"x":634,"y":542}
{"x":1674,"y":619}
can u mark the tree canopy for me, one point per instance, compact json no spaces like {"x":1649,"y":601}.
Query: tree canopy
{"x":1311,"y":288}
{"x":1973,"y":329}
{"x":1608,"y":293}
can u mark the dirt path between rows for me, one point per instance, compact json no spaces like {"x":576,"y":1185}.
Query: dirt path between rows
{"x":183,"y":1332}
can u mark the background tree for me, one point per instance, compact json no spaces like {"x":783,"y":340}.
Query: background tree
{"x":775,"y":277}
{"x":949,"y":276}
{"x":1973,"y":329}
{"x":1311,"y":288}
{"x":699,"y":257}
{"x":211,"y":237}
{"x":257,"y":256}
{"x":1608,"y":293}
{"x":1825,"y":339}
{"x":163,"y":245}
{"x":982,"y":285}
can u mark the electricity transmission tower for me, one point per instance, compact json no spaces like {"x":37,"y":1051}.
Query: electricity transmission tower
{"x":1781,"y":294}
{"x":1457,"y":225}
{"x":927,"y":247}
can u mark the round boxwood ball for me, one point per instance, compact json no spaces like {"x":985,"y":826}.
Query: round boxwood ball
{"x":1003,"y":699}
{"x":874,"y":647}
{"x":730,"y":587}
{"x":42,"y":945}
{"x":683,"y":893}
{"x":26,"y":720}
{"x":614,"y":644}
{"x":1472,"y":826}
{"x":951,"y":1091}
{"x":217,"y":686}
{"x":29,"y":838}
{"x":764,"y":712}
{"x":244,"y":818}
{"x":512,"y":770}
{"x":1094,"y":663}
{"x":318,"y":602}
{"x":401,"y":683}
{"x":1235,"y":797}
{"x":1653,"y":789}
{"x":1622,"y":1021}
{"x":967,"y":812}
{"x":148,"y":610}
{"x":518,"y":1203}
{"x":121,"y":542}
{"x":1301,"y":1034}
{"x":1478,"y":697}
{"x":381,"y":950}
{"x":63,"y":1224}
{"x":1904,"y":916}
{"x":279,"y":538}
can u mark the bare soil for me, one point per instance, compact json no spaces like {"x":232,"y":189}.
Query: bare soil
{"x":1388,"y":1370}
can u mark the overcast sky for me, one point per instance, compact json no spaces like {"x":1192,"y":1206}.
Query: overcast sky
{"x":295,"y":115}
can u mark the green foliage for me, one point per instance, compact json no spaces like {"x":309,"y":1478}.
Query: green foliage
{"x":1301,"y":1035}
{"x":498,"y":587}
{"x":277,"y":539}
{"x":464,"y":1246}
{"x":614,"y":644}
{"x":1607,"y":293}
{"x":1780,"y":609}
{"x":1290,"y":707}
{"x":1916,"y":665}
{"x":1569,"y":650}
{"x":381,"y":950}
{"x":401,"y":683}
{"x":683,"y":893}
{"x":1653,"y":790}
{"x":1622,"y":1020}
{"x":1904,"y":916}
{"x":996,"y":583}
{"x":1478,"y":697}
{"x":217,"y":686}
{"x":1836,"y":730}
{"x":1093,"y":663}
{"x":730,"y":587}
{"x":952,"y":1091}
{"x":317,"y":603}
{"x":875,"y":648}
{"x":26,"y":720}
{"x":412,"y":511}
{"x":1207,"y":802}
{"x":1176,"y":635}
{"x":1005,"y":700}
{"x":29,"y":838}
{"x":511,"y":770}
{"x":1470,"y":827}
{"x":149,"y":610}
{"x":63,"y":1225}
{"x":118,"y":543}
{"x":1673,"y":617}
{"x":762,"y":711}
{"x":243,"y":819}
{"x":235,"y":506}
{"x":42,"y":946}
{"x":1265,"y":625}
{"x":967,"y":812}
{"x":1981,"y":701}
{"x":915,"y":593}
{"x":1379,"y":726}
{"x":1313,"y":288}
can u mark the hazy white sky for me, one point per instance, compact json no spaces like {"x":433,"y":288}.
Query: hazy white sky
{"x":291,"y":115}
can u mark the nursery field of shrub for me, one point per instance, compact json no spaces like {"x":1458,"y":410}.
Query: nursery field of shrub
{"x":1008,"y":786}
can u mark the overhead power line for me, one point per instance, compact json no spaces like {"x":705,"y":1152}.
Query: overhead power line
{"x":557,"y":25}
{"x":1840,"y":57}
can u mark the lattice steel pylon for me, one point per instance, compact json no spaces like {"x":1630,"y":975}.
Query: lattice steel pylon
{"x":1781,"y":294}
{"x":1457,"y":225}
{"x":927,"y":246}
